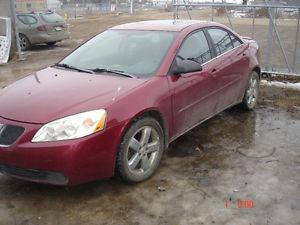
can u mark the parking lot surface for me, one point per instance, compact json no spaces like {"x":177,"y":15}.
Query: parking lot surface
{"x":238,"y":168}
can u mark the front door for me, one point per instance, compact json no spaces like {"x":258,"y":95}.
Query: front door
{"x":193,"y":96}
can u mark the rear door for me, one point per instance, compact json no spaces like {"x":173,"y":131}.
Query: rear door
{"x":193,"y":96}
{"x":230,"y":65}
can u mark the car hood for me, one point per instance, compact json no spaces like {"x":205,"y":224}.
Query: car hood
{"x":55,"y":93}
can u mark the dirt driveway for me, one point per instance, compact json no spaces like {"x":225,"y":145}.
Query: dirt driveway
{"x":238,"y":168}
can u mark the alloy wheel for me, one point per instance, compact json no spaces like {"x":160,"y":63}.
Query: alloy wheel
{"x":23,"y":42}
{"x":252,"y":92}
{"x":142,"y":150}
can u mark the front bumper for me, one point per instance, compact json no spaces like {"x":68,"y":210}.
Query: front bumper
{"x":63,"y":162}
{"x":41,"y":176}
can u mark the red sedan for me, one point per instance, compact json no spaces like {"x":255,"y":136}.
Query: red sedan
{"x":115,"y":103}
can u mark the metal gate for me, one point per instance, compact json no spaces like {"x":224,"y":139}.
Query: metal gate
{"x":274,"y":26}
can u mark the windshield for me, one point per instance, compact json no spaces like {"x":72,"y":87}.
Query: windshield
{"x":133,"y":52}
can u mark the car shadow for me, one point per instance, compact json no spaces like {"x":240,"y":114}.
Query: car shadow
{"x":45,"y":47}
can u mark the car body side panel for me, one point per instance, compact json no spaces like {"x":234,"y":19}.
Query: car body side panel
{"x":223,"y":83}
{"x":153,"y":95}
{"x":29,"y":30}
{"x":253,"y":56}
{"x":241,"y":66}
{"x":193,"y":98}
{"x":231,"y":69}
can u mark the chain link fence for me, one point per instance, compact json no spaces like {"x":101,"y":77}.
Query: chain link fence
{"x":274,"y":26}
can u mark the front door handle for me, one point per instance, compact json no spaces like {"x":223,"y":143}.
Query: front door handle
{"x":214,"y":72}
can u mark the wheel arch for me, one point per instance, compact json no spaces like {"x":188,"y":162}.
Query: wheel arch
{"x":257,"y":70}
{"x":157,"y":115}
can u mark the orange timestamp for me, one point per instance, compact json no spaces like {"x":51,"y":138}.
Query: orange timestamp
{"x":241,"y":203}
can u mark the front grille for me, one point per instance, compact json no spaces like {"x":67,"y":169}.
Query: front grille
{"x":9,"y":134}
{"x":35,"y":175}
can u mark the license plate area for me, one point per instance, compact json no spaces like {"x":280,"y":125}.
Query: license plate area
{"x":58,"y":28}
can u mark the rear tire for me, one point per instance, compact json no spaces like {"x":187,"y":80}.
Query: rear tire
{"x":251,"y":92}
{"x":140,"y":151}
{"x":24,"y":42}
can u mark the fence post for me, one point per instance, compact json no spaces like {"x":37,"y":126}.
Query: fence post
{"x":14,"y":23}
{"x":174,"y":10}
{"x":187,"y":9}
{"x":212,"y":11}
{"x":253,"y":21}
{"x":131,"y":6}
{"x":270,"y":37}
{"x":296,"y":42}
{"x":280,"y":44}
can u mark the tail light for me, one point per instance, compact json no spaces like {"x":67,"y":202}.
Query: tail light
{"x":41,"y":28}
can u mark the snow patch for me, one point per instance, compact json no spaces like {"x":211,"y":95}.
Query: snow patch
{"x":294,"y":86}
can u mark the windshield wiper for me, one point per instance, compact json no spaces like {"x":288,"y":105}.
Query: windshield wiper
{"x":67,"y":66}
{"x":103,"y":70}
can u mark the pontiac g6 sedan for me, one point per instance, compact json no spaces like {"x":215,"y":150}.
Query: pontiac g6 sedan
{"x":115,"y":103}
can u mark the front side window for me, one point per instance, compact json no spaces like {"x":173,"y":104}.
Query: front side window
{"x":221,"y":40}
{"x":134,"y":52}
{"x":195,"y":47}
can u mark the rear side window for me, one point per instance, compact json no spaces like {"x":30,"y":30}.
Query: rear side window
{"x":195,"y":47}
{"x":51,"y":17}
{"x":221,"y":40}
{"x":26,"y":19}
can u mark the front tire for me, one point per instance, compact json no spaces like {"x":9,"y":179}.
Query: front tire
{"x":140,"y":151}
{"x":251,"y":92}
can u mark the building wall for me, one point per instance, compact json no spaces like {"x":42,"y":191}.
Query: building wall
{"x":30,"y":5}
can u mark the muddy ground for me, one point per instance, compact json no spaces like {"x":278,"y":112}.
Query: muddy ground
{"x":238,"y":168}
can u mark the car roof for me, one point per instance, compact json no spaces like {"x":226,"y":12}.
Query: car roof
{"x":35,"y":12}
{"x":163,"y":25}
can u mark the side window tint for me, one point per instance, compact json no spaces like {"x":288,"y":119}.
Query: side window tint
{"x":235,"y":41}
{"x":195,"y":47}
{"x":221,"y":40}
{"x":27,"y":19}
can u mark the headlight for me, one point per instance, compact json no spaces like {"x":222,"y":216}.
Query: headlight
{"x":71,"y":127}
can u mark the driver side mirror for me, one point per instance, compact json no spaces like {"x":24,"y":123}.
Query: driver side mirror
{"x":186,"y":66}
